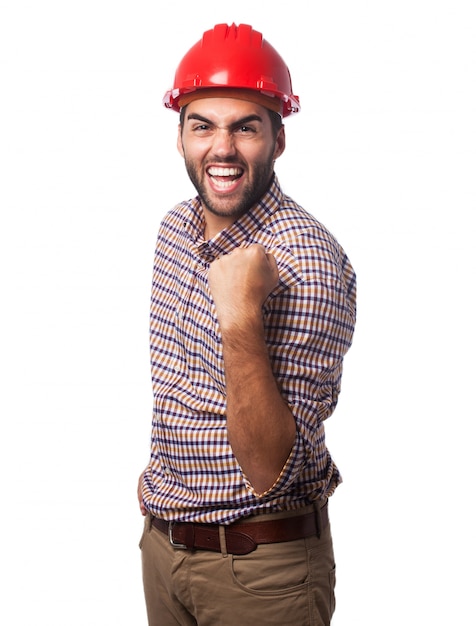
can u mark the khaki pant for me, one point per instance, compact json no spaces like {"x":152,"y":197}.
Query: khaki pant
{"x":281,"y":584}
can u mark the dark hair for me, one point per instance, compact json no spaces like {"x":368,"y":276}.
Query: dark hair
{"x":276,"y":120}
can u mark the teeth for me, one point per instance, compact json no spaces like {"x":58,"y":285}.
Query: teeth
{"x":223,"y":183}
{"x":224,"y":171}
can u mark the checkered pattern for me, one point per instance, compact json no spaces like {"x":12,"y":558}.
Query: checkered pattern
{"x":309,"y":322}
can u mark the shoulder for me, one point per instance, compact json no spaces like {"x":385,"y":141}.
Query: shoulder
{"x":300,"y":230}
{"x":176,"y":216}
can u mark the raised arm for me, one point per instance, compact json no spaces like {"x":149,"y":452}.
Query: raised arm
{"x":261,"y":428}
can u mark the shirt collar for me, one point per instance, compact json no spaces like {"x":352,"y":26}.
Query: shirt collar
{"x":239,"y":232}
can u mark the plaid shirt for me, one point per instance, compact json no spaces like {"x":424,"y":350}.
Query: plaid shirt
{"x":309,"y":321}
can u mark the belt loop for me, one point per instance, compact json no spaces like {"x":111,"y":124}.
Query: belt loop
{"x":222,"y":536}
{"x":317,"y":515}
{"x":148,"y":521}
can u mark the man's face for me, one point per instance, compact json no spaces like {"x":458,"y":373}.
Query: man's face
{"x":229,"y":153}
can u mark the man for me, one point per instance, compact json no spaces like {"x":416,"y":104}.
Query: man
{"x":252,"y":312}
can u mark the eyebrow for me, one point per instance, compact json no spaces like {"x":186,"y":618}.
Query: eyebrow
{"x":240,"y":122}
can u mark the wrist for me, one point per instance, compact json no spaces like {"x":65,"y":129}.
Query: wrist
{"x":238,"y":323}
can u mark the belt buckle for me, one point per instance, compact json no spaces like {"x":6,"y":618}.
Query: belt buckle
{"x":178,"y":546}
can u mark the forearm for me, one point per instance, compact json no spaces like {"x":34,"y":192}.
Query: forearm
{"x":261,"y":428}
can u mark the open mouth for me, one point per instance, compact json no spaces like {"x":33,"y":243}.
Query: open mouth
{"x":224,"y":177}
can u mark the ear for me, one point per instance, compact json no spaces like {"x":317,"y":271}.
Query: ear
{"x":280,"y":143}
{"x":179,"y":141}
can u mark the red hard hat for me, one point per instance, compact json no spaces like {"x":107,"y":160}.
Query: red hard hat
{"x":234,"y":57}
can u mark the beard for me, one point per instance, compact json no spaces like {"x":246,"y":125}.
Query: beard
{"x":237,"y":204}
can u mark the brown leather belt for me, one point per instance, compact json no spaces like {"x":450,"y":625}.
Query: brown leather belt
{"x":242,"y":537}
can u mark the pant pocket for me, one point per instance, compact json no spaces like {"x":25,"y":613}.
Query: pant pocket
{"x":272,"y":568}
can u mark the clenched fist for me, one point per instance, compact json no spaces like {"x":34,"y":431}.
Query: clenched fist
{"x":241,"y":281}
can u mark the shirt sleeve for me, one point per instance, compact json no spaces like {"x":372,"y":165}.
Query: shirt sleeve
{"x":310,"y":323}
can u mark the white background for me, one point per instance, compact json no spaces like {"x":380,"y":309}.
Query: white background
{"x":383,"y":153}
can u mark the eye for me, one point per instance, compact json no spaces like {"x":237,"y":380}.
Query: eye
{"x":245,"y":130}
{"x":201,"y":130}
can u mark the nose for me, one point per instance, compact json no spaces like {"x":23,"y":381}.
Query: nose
{"x":223,"y":143}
